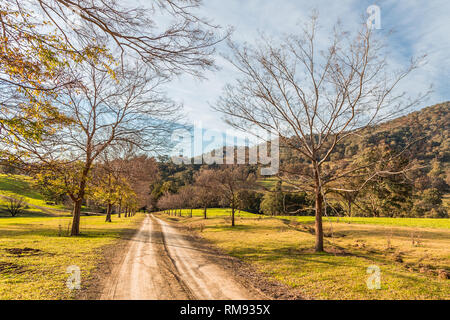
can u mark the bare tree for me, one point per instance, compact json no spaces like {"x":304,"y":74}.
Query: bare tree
{"x":187,"y":197}
{"x":15,"y":205}
{"x":105,"y":111}
{"x":166,"y":35}
{"x":141,"y":171}
{"x":40,"y":37}
{"x":171,"y":202}
{"x":129,"y":173}
{"x":205,"y":189}
{"x":229,"y":181}
{"x":314,"y":98}
{"x":163,"y":202}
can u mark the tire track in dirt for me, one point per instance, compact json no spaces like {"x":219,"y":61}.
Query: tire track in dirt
{"x":160,"y":264}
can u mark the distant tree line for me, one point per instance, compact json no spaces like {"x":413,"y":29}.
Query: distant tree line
{"x":416,"y":193}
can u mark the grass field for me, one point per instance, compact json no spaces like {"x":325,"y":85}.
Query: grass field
{"x":412,"y":254}
{"x":395,"y":222}
{"x":19,"y":185}
{"x":39,"y":271}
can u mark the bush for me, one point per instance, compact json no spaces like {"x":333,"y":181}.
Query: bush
{"x":15,"y":206}
{"x":250,"y":201}
{"x":437,"y":213}
{"x":429,"y":205}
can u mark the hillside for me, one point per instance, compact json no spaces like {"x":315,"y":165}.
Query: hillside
{"x":424,"y":137}
{"x":429,"y":127}
{"x":20,"y":186}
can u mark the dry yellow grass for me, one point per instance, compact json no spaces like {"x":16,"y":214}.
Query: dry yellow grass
{"x":42,"y":272}
{"x":412,"y":260}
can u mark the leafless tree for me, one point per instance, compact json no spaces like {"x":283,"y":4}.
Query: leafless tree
{"x":187,"y":197}
{"x":106,"y":111}
{"x":229,"y":181}
{"x":126,"y":165}
{"x":141,"y":171}
{"x":166,"y":35}
{"x":205,"y":189}
{"x":171,"y":202}
{"x":314,"y":98}
{"x":15,"y":205}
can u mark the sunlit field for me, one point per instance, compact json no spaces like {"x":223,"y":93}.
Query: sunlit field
{"x":320,"y":150}
{"x":35,"y":253}
{"x":403,"y":222}
{"x":412,"y":254}
{"x":24,"y":186}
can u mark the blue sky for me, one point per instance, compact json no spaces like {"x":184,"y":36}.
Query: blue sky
{"x":419,"y":27}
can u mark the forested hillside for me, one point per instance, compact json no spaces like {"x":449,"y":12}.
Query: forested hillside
{"x":425,"y":135}
{"x":421,"y":139}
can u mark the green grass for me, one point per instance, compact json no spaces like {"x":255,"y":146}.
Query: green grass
{"x":20,"y":185}
{"x":394,"y":222}
{"x":282,"y":249}
{"x":42,"y":274}
{"x":399,"y":222}
{"x":216,"y":212}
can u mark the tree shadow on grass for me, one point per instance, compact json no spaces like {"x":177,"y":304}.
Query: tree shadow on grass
{"x":42,"y":231}
{"x":25,"y":214}
{"x":237,"y":227}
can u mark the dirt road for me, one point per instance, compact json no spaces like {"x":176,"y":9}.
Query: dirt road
{"x":161,"y":264}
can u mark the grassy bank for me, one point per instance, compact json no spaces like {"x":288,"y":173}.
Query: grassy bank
{"x":35,"y":253}
{"x":412,"y":254}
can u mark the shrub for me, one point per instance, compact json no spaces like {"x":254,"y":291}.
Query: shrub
{"x":15,"y":206}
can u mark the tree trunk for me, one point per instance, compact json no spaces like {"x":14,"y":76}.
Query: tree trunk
{"x":76,"y":218}
{"x":319,"y":209}
{"x":204,"y":212}
{"x":108,"y":213}
{"x":318,"y":224}
{"x":191,"y":212}
{"x":232,"y":216}
{"x":350,"y":207}
{"x":119,"y":212}
{"x":78,"y":201}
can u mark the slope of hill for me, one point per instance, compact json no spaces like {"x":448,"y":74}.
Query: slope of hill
{"x":424,"y":134}
{"x":429,"y":128}
{"x":20,"y":186}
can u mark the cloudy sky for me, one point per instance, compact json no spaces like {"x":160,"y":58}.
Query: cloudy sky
{"x":419,"y":27}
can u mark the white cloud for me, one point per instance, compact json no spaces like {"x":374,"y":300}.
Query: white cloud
{"x":421,"y":27}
